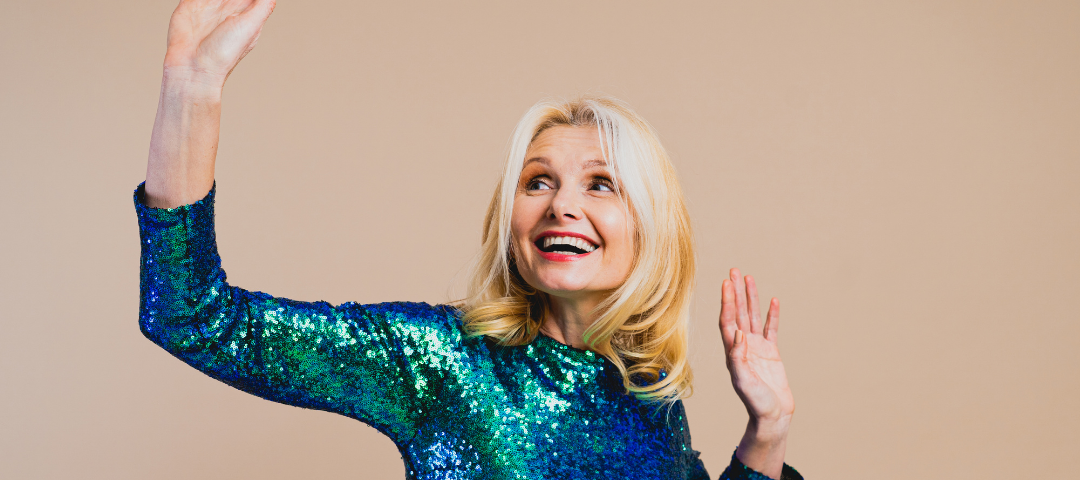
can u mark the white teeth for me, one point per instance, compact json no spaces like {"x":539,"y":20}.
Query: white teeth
{"x":572,"y":241}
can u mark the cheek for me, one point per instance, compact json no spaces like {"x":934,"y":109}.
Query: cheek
{"x":521,"y":221}
{"x":614,"y":225}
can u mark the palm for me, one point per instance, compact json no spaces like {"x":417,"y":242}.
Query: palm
{"x":753,"y":357}
{"x":212,"y":36}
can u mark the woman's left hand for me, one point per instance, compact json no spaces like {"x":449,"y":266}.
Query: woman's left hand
{"x":757,"y":373}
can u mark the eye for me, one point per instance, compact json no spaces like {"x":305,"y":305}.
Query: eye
{"x":537,"y":183}
{"x":602,"y":184}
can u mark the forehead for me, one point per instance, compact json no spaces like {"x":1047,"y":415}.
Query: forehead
{"x":579,"y":146}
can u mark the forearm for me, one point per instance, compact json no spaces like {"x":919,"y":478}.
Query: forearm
{"x":183,"y":146}
{"x":763,"y":446}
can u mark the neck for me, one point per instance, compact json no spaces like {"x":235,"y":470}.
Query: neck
{"x":566,"y":319}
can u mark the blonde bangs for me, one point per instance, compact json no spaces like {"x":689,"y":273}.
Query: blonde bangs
{"x":642,"y":328}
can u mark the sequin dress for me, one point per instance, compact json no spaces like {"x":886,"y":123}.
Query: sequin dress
{"x":457,"y":407}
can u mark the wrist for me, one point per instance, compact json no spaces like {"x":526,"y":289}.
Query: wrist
{"x":185,"y":82}
{"x":767,"y":430}
{"x":763,"y":447}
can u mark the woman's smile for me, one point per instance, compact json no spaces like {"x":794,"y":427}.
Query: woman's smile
{"x":564,"y":246}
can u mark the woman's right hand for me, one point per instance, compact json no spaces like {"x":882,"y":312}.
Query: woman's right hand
{"x":208,"y":38}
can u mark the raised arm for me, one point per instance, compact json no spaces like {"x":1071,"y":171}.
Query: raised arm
{"x":207,"y":39}
{"x":375,"y":363}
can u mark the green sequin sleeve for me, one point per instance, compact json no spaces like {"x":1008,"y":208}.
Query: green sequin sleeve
{"x":363,"y":362}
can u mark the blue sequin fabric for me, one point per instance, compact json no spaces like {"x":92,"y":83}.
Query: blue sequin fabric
{"x":457,"y":407}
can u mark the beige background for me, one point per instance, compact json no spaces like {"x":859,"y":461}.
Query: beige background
{"x":903,"y":175}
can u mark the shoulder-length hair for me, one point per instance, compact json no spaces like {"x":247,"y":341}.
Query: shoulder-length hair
{"x":642,"y":327}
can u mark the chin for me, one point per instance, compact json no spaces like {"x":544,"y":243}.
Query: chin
{"x":562,"y":287}
{"x":563,"y":292}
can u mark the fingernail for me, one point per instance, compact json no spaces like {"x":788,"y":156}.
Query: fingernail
{"x":738,"y":337}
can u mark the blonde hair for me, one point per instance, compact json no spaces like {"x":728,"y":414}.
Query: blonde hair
{"x":642,"y":327}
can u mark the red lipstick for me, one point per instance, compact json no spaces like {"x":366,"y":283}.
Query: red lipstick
{"x":558,"y":257}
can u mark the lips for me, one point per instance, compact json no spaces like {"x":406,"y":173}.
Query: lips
{"x":574,"y":244}
{"x":564,"y":246}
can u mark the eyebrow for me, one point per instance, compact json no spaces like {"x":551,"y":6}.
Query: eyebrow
{"x":587,"y":165}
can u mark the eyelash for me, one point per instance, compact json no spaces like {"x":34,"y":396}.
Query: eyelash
{"x":596,"y":181}
{"x":603,"y":181}
{"x":534,"y":182}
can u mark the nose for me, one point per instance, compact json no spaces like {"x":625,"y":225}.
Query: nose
{"x":566,"y":205}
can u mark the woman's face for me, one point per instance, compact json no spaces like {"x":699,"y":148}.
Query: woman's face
{"x":569,"y":228}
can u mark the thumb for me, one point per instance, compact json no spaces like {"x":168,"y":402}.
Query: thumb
{"x":253,"y":20}
{"x":260,"y":10}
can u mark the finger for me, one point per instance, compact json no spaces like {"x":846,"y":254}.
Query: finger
{"x":740,"y":300}
{"x":752,"y":299}
{"x":728,"y":316}
{"x":772,"y":322}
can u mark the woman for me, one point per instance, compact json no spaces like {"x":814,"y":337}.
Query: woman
{"x":567,"y":359}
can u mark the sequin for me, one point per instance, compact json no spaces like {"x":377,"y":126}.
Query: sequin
{"x":457,"y":407}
